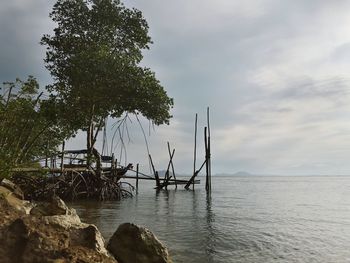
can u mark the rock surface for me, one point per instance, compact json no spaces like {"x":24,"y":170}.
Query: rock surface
{"x":55,"y":206}
{"x":135,"y":244}
{"x":52,"y":232}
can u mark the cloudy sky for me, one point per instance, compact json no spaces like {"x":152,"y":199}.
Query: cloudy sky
{"x":274,"y":73}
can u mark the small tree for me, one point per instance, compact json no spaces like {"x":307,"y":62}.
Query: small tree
{"x":28,"y":126}
{"x":94,"y":58}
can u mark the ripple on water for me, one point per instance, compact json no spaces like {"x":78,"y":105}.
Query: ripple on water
{"x":255,"y":219}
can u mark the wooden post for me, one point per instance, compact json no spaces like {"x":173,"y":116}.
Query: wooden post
{"x":113,"y":166}
{"x":137,"y":178}
{"x":209,"y":151}
{"x":157,"y":180}
{"x":62,"y":156}
{"x":194,"y":176}
{"x":195,"y":146}
{"x":167,"y":177}
{"x":206,"y":160}
{"x":172,"y":165}
{"x":154,"y":170}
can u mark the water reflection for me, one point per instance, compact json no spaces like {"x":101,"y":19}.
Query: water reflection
{"x":211,"y":234}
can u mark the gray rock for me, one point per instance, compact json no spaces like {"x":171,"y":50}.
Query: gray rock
{"x":47,"y":238}
{"x":135,"y":244}
{"x":89,"y":237}
{"x":28,"y":239}
{"x":54,"y":207}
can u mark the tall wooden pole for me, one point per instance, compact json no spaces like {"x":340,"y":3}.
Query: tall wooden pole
{"x":195,"y":146}
{"x":209,"y":150}
{"x":154,"y":170}
{"x":137,"y":178}
{"x":206,"y":159}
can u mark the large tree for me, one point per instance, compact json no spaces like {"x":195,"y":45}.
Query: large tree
{"x":94,"y":57}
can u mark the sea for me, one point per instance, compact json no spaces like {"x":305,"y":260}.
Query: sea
{"x":244,"y":219}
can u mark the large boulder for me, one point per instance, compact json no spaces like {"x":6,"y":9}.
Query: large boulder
{"x":51,"y":233}
{"x":29,"y":240}
{"x":135,"y":244}
{"x":57,"y":213}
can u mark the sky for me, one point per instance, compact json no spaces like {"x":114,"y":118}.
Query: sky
{"x":275,"y":75}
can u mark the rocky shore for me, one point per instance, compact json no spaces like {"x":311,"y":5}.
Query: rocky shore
{"x":51,"y":232}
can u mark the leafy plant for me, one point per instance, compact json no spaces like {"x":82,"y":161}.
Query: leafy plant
{"x":28,"y":126}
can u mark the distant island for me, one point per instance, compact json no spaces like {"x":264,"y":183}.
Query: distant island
{"x":239,"y":173}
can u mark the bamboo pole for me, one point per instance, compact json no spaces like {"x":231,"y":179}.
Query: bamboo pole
{"x":154,"y":170}
{"x":189,"y":182}
{"x":209,"y":149}
{"x":156,"y":176}
{"x":137,"y":178}
{"x":172,"y":165}
{"x":158,"y":186}
{"x":206,"y":158}
{"x":195,"y":146}
{"x":167,"y":177}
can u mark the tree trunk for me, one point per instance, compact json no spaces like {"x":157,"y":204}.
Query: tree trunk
{"x":97,"y":156}
{"x":90,"y":134}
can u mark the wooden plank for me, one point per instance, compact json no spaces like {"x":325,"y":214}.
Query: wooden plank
{"x":51,"y":170}
{"x":153,"y":179}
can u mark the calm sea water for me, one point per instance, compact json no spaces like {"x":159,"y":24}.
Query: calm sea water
{"x":246,"y":219}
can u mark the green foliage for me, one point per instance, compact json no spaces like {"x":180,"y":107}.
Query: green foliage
{"x":28,"y":126}
{"x":94,"y":57}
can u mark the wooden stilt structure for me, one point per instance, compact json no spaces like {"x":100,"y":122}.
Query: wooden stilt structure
{"x":82,"y":173}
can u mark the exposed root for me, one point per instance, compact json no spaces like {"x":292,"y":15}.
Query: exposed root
{"x":73,"y":185}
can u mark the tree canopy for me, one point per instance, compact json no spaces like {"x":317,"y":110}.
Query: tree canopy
{"x":94,"y":56}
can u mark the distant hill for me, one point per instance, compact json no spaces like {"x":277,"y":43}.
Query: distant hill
{"x":240,"y":173}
